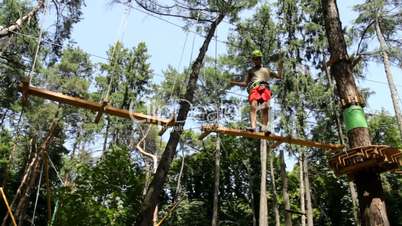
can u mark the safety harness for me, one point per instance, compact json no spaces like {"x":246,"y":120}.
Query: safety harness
{"x":252,"y":85}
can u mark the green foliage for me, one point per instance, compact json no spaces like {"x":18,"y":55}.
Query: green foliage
{"x":392,"y":184}
{"x":258,"y":32}
{"x":107,"y":193}
{"x":388,"y":13}
{"x":384,"y":130}
{"x":5,"y":149}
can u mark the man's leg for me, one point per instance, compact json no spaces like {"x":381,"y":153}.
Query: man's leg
{"x":265,"y":116}
{"x":253,"y":114}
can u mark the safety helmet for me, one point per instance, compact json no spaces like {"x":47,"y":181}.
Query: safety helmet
{"x":256,"y":53}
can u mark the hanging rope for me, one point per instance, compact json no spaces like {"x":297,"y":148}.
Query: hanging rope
{"x":121,"y":31}
{"x":56,"y":171}
{"x":191,"y":57}
{"x":37,"y":196}
{"x":36,"y":54}
{"x":179,"y":65}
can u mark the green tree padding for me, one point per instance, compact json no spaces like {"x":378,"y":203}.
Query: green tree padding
{"x":353,"y":117}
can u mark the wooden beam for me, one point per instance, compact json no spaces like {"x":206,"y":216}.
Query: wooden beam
{"x":100,"y":113}
{"x":260,"y":135}
{"x":94,"y":106}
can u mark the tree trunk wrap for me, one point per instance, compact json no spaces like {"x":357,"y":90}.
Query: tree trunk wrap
{"x":354,"y":117}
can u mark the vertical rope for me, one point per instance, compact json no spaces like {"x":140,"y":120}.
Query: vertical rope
{"x":36,"y":55}
{"x":120,"y":35}
{"x":37,"y":196}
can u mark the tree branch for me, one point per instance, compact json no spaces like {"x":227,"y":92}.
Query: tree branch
{"x":362,"y":37}
{"x":155,"y":11}
{"x":18,"y":24}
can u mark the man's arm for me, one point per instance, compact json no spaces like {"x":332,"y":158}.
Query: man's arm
{"x":244,"y":83}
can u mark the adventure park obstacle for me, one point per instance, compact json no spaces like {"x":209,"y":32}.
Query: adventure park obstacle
{"x":100,"y":108}
{"x":380,"y":158}
{"x":207,"y":129}
{"x":383,"y":158}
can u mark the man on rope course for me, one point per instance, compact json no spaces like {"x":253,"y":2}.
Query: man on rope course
{"x":257,"y":83}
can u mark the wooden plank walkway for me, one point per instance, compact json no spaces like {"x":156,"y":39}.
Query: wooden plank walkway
{"x":104,"y":107}
{"x":207,"y":129}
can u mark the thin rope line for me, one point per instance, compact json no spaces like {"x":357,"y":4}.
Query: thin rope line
{"x":179,"y":65}
{"x":37,"y":196}
{"x":120,"y":33}
{"x":55,"y":169}
{"x":36,"y":55}
{"x":55,"y":44}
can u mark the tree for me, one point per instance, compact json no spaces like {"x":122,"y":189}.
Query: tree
{"x":384,"y":129}
{"x":126,"y":82}
{"x":109,"y":193}
{"x":17,"y":25}
{"x":372,"y":208}
{"x":381,"y":19}
{"x":216,"y":12}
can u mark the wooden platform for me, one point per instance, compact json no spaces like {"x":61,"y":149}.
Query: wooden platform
{"x":27,"y":90}
{"x":207,"y":129}
{"x":382,"y":158}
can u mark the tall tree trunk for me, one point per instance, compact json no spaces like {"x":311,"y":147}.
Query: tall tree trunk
{"x":336,"y":113}
{"x":152,"y":197}
{"x":263,"y":216}
{"x":355,"y":204}
{"x":308,"y":192}
{"x":215,"y":219}
{"x":28,"y":180}
{"x":368,"y":183}
{"x":341,"y":137}
{"x":390,"y":78}
{"x":302,"y":188}
{"x":288,"y":215}
{"x":274,"y":193}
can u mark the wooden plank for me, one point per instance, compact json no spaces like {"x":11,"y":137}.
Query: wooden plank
{"x":381,"y":157}
{"x":271,"y":137}
{"x":94,"y":106}
{"x":100,"y":113}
